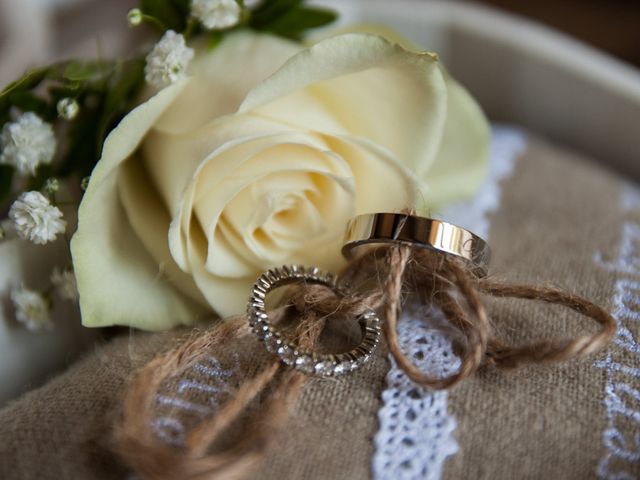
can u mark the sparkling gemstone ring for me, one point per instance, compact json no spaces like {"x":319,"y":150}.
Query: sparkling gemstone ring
{"x":290,"y":353}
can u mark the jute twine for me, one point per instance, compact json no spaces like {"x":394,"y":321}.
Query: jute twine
{"x":381,"y":279}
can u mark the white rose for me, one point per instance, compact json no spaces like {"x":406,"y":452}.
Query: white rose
{"x":259,"y":159}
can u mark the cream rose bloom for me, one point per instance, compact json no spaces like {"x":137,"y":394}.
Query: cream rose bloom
{"x":257,"y":159}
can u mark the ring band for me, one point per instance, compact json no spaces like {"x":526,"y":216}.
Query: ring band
{"x":290,"y":353}
{"x":415,"y":231}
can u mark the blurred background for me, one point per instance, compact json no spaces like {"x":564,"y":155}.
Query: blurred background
{"x":32,"y":31}
{"x":610,"y":25}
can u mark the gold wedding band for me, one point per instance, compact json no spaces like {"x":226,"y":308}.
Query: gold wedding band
{"x":415,"y":231}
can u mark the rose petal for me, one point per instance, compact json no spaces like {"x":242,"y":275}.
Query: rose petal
{"x":118,"y":281}
{"x":225,"y":173}
{"x":382,"y":182}
{"x":230,"y":146}
{"x":228,"y":296}
{"x":222,"y":78}
{"x":150,"y":221}
{"x":126,"y":137}
{"x":387,"y":186}
{"x":372,"y":87}
{"x":171,"y":160}
{"x":462,"y":161}
{"x":378,"y":29}
{"x":285,"y":212}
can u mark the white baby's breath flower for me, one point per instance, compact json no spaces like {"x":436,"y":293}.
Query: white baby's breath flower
{"x":27,"y":143}
{"x":216,"y":14}
{"x":36,"y":219}
{"x":64,"y":282}
{"x":31,"y":309}
{"x":168,"y":60}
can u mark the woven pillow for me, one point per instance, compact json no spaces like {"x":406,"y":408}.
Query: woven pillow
{"x":551,"y":216}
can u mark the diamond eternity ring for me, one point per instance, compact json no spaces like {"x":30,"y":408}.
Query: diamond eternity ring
{"x":290,"y":353}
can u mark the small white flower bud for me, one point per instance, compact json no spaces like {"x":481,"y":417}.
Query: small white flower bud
{"x":67,"y":108}
{"x":51,"y":186}
{"x":134,"y":17}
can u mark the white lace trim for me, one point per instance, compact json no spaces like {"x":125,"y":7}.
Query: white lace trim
{"x":621,"y":438}
{"x":416,"y":430}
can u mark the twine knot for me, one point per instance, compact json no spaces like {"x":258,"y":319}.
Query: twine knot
{"x":380,"y":279}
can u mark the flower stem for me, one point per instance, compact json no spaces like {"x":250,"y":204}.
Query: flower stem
{"x":191,"y":25}
{"x":155,"y":22}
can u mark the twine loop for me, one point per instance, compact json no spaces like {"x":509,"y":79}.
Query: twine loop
{"x":381,"y":279}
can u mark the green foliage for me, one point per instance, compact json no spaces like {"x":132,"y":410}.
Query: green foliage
{"x":214,"y":39}
{"x":28,"y":81}
{"x":16,"y":93}
{"x":289,"y":18}
{"x":102,"y":106}
{"x":104,"y":91}
{"x":30,"y":102}
{"x":286,"y":18}
{"x":298,"y":20}
{"x":173,"y":14}
{"x":6,"y":177}
{"x":270,"y":10}
{"x":125,"y":85}
{"x":42,"y":173}
{"x":86,"y":71}
{"x":83,"y":152}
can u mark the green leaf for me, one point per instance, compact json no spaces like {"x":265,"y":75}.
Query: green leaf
{"x":214,"y":39}
{"x":79,"y":71}
{"x":29,"y":102}
{"x":172,"y":13}
{"x":29,"y":81}
{"x":126,"y":85}
{"x":300,"y":19}
{"x":99,"y":113}
{"x":81,"y":155}
{"x":6,"y":178}
{"x":270,"y":10}
{"x":183,"y":6}
{"x":43,"y":172}
{"x":57,"y":92}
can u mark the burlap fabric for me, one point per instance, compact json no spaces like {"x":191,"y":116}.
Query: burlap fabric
{"x":561,"y":221}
